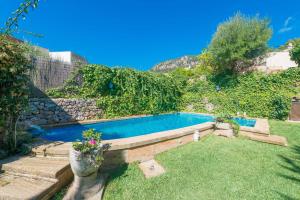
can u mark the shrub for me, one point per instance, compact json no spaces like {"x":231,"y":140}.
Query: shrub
{"x":238,"y":42}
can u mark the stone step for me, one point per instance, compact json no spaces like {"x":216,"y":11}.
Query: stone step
{"x":22,"y":188}
{"x":271,"y":139}
{"x":51,"y":149}
{"x":45,"y":168}
{"x":256,"y":133}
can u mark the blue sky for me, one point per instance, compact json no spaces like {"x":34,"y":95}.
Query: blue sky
{"x":142,"y":33}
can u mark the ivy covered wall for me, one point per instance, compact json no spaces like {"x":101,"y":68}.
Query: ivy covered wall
{"x":123,"y":91}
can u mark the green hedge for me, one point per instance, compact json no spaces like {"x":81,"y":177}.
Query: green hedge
{"x":257,"y":94}
{"x":123,"y":91}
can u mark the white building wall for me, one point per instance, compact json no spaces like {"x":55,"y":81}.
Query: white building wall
{"x":64,"y":56}
{"x":276,"y":61}
{"x":280,"y":60}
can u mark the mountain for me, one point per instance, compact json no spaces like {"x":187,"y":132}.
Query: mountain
{"x":185,"y":61}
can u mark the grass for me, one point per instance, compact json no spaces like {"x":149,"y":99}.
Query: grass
{"x":218,"y":168}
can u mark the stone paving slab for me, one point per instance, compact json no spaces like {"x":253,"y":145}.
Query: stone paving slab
{"x":271,"y":139}
{"x":35,"y":166}
{"x":23,"y":188}
{"x":151,"y":168}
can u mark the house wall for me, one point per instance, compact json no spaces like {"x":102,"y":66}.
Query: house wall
{"x":67,"y":57}
{"x":280,"y":59}
{"x":276,"y":61}
{"x":64,"y":56}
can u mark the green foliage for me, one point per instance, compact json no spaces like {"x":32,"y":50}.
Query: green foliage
{"x":206,"y":63}
{"x":91,"y":141}
{"x":295,"y":52}
{"x":238,"y":42}
{"x":181,"y":75}
{"x":257,"y":94}
{"x":12,"y":22}
{"x":14,"y":67}
{"x":122,"y":91}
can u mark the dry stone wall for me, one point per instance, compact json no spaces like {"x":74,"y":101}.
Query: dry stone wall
{"x":51,"y":111}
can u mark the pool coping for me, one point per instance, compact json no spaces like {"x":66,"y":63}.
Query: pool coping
{"x":261,"y":127}
{"x":142,"y":140}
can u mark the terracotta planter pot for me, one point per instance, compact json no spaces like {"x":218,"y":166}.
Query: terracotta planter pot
{"x":82,"y":164}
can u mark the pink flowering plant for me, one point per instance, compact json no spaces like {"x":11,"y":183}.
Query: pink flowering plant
{"x":90,"y":146}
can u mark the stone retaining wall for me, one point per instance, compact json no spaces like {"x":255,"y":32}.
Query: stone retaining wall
{"x":51,"y":111}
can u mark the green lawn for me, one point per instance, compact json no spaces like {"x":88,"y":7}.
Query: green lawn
{"x":218,"y":168}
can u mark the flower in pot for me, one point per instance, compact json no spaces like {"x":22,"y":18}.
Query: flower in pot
{"x":86,"y":156}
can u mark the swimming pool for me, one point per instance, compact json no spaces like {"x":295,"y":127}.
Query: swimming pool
{"x":131,"y":127}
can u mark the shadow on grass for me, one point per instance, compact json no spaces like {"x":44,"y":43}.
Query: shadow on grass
{"x":291,"y":164}
{"x":118,"y":172}
{"x":286,"y":197}
{"x":115,"y":174}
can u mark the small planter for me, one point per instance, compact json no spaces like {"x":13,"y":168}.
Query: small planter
{"x":223,"y":126}
{"x":83,"y":164}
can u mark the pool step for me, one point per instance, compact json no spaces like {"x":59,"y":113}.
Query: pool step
{"x":26,"y":177}
{"x":271,"y":139}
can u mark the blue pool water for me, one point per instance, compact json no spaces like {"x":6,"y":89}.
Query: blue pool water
{"x":133,"y":127}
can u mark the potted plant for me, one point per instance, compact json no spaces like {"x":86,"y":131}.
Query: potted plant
{"x":86,"y":156}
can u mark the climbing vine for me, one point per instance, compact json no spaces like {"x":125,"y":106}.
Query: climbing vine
{"x":123,"y":91}
{"x":255,"y":93}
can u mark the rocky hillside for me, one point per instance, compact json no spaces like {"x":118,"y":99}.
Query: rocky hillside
{"x":185,"y":61}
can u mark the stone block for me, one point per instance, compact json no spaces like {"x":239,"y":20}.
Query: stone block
{"x":225,"y":133}
{"x":151,"y":168}
{"x":223,"y":126}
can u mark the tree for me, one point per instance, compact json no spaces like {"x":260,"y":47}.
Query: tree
{"x":295,"y":51}
{"x":238,"y":41}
